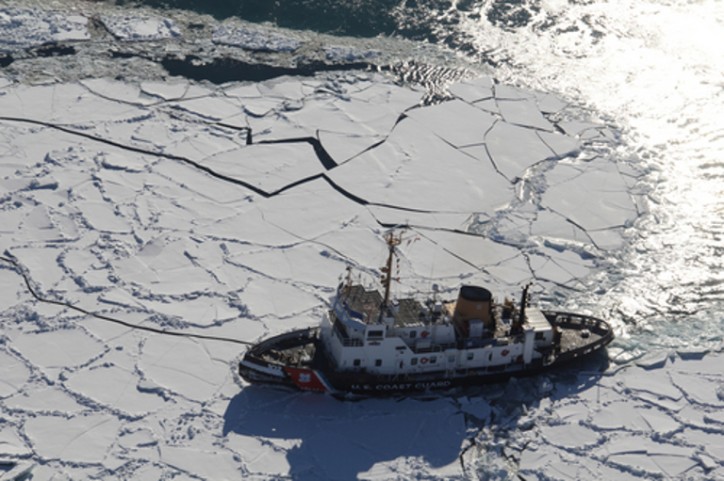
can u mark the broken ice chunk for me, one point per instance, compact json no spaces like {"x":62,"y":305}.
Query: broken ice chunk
{"x":514,"y":149}
{"x":337,"y":53}
{"x":268,"y":166}
{"x":201,"y":463}
{"x":183,"y":367}
{"x":61,"y":349}
{"x":594,"y":199}
{"x":473,"y":90}
{"x":455,"y":121}
{"x":254,"y":39}
{"x":80,"y":438}
{"x":25,"y":28}
{"x":524,"y":113}
{"x":130,"y":28}
{"x":13,"y":375}
{"x":423,"y":173}
{"x":570,"y":436}
{"x":115,"y":387}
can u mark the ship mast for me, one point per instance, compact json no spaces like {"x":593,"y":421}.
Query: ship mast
{"x":392,"y":242}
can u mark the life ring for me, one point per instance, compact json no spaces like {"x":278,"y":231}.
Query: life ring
{"x":423,"y":360}
{"x":424,"y":334}
{"x":504,"y":352}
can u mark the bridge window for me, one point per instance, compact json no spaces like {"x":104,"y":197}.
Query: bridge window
{"x":375,"y":333}
{"x":378,"y":362}
{"x":357,"y":362}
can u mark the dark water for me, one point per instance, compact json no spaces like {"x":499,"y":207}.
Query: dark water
{"x":359,"y":19}
{"x":413,"y":19}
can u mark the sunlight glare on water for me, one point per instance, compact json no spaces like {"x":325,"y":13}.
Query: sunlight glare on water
{"x":656,"y":70}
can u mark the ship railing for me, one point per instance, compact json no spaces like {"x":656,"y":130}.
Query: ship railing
{"x":469,"y":343}
{"x":567,"y":319}
{"x":598,"y":326}
{"x":284,"y":341}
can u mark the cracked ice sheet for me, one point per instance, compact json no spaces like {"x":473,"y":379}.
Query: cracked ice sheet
{"x":65,"y":104}
{"x":515,"y":149}
{"x":456,"y":258}
{"x":13,"y":374}
{"x":81,"y":438}
{"x":183,"y":366}
{"x":293,"y":217}
{"x":363,"y":106}
{"x":592,"y":196}
{"x":269,"y":167}
{"x":423,"y":172}
{"x":635,"y":424}
{"x":157,"y":241}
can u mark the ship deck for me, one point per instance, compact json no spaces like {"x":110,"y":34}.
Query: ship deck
{"x":579,"y":334}
{"x":367,"y":302}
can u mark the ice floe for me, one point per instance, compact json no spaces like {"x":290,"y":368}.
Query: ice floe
{"x":630,"y":425}
{"x":32,"y":28}
{"x":250,"y":38}
{"x":135,"y":28}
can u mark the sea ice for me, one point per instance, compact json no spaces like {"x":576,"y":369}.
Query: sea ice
{"x":30,"y":28}
{"x":58,"y":349}
{"x":82,"y":438}
{"x":232,"y":210}
{"x":340,"y":53}
{"x":13,"y":374}
{"x":11,"y":445}
{"x":525,"y":113}
{"x":115,"y":387}
{"x":473,"y":90}
{"x":250,"y":38}
{"x":40,"y":399}
{"x":182,"y":366}
{"x":514,"y":149}
{"x":130,"y":28}
{"x":269,"y":167}
{"x":204,"y":464}
{"x":456,"y":122}
{"x":406,"y":171}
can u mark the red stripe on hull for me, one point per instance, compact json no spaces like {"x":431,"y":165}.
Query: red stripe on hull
{"x":305,"y":379}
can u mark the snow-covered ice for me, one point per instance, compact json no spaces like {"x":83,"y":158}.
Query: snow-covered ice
{"x":30,"y":28}
{"x":232,"y":210}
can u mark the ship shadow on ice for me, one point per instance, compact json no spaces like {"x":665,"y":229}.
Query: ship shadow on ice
{"x":325,"y":438}
{"x":340,"y":440}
